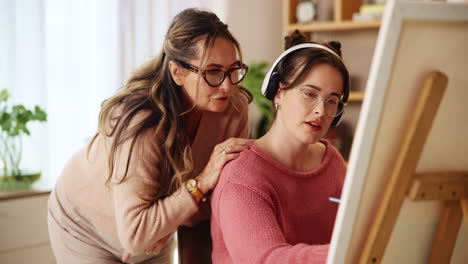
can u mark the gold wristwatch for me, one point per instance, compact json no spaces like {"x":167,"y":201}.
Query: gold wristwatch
{"x":192,"y":187}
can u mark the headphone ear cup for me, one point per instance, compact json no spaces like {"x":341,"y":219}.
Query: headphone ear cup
{"x":337,"y":119}
{"x":272,"y":87}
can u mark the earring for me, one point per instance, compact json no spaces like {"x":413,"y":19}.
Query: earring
{"x":276,"y":106}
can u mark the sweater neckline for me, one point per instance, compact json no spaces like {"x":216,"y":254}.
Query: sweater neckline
{"x":263,"y":155}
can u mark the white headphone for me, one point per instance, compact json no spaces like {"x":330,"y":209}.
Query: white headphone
{"x":286,"y":52}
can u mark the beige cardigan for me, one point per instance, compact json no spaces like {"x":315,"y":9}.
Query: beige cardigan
{"x":116,"y":219}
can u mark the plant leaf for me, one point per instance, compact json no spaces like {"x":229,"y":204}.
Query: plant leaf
{"x":253,"y":82}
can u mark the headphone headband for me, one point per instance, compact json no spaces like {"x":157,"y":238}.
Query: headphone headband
{"x":285,"y":53}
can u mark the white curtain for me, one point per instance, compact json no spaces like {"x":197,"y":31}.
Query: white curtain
{"x":82,"y":69}
{"x":21,"y":67}
{"x":68,"y":56}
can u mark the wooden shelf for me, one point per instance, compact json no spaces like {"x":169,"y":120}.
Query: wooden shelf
{"x":333,"y":26}
{"x":356,"y":97}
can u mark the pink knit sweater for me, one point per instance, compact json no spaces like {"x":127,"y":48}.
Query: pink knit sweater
{"x":263,"y":212}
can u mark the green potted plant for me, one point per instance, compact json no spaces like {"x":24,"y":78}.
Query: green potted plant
{"x":253,"y":82}
{"x":13,"y":121}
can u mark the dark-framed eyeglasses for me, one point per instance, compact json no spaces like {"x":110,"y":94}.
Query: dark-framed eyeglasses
{"x":311,"y":98}
{"x":214,"y":77}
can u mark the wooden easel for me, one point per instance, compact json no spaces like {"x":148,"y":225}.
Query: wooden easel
{"x":450,"y":187}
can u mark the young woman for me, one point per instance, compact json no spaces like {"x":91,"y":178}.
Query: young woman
{"x":271,"y":204}
{"x":162,"y":142}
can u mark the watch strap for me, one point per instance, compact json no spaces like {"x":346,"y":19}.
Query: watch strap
{"x":197,"y":193}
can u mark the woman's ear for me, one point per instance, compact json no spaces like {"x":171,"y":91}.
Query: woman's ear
{"x":176,"y":73}
{"x":279,"y":93}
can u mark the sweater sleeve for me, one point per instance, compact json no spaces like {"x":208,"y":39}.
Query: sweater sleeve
{"x":252,"y":234}
{"x":140,"y":221}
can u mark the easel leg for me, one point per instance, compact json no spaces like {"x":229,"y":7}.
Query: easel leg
{"x":464,"y":206}
{"x":401,"y":176}
{"x":447,"y":233}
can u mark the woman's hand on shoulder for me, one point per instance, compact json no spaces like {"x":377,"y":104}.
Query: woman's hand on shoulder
{"x":222,"y":153}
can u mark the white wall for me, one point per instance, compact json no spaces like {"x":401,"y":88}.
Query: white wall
{"x":257,"y":25}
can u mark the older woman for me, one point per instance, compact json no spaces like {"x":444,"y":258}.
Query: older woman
{"x":162,"y":142}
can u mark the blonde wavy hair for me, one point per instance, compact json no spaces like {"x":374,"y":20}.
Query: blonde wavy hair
{"x":152,"y":88}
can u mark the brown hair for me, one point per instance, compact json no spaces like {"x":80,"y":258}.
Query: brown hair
{"x":152,"y":89}
{"x":289,"y":69}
